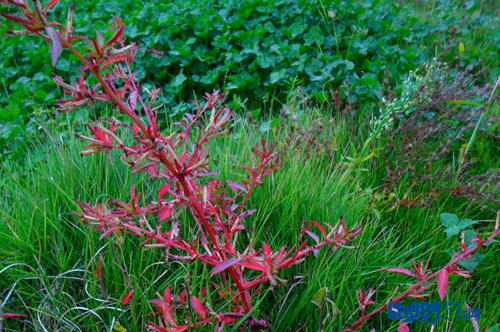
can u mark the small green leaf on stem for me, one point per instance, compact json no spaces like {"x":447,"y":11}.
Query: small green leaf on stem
{"x":320,"y":296}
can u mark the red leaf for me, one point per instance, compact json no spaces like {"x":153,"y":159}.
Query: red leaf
{"x":114,"y":59}
{"x":399,"y":270}
{"x":55,"y":46}
{"x":9,"y":314}
{"x":127,"y":296}
{"x":182,"y":297}
{"x":115,"y":36}
{"x":267,"y":254}
{"x":403,"y":327}
{"x":224,"y":265}
{"x":165,"y":213}
{"x":132,"y":192}
{"x":442,"y":282}
{"x":166,"y":296}
{"x":156,"y":303}
{"x":162,"y":191}
{"x":267,"y":251}
{"x":198,"y":307}
{"x":96,"y":46}
{"x":18,"y":3}
{"x":320,"y":228}
{"x":254,"y":266}
{"x":21,"y":20}
{"x":109,"y":231}
{"x":180,"y":328}
{"x":50,"y":4}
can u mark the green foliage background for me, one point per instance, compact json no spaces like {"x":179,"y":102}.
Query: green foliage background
{"x":265,"y":54}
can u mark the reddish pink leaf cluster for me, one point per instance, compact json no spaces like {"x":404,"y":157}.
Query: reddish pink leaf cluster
{"x":179,"y":159}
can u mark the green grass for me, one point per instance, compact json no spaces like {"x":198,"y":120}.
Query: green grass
{"x":49,"y":262}
{"x":50,"y":265}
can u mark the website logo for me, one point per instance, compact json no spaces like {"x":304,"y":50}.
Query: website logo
{"x":430,"y":312}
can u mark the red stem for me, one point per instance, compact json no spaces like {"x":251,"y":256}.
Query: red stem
{"x":192,"y":197}
{"x":117,"y":101}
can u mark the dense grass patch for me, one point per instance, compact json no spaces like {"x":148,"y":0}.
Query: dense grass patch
{"x":59,"y":274}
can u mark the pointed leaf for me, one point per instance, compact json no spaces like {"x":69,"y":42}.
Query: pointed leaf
{"x":127,"y":296}
{"x":224,"y":265}
{"x":132,"y":192}
{"x":399,"y":270}
{"x":96,"y":46}
{"x":473,"y":319}
{"x":50,"y":4}
{"x":314,"y":236}
{"x":109,"y":231}
{"x":320,"y":228}
{"x":235,"y":186}
{"x":165,"y":213}
{"x":9,"y":314}
{"x":267,"y":250}
{"x":115,"y":36}
{"x":55,"y":46}
{"x":442,"y":282}
{"x":403,"y":327}
{"x":166,"y":296}
{"x":163,"y":190}
{"x":118,"y":327}
{"x":132,"y":99}
{"x":320,"y":296}
{"x":18,"y":19}
{"x":180,"y":328}
{"x":19,"y":3}
{"x":198,"y":307}
{"x":156,"y":303}
{"x":181,"y":298}
{"x":69,"y":20}
{"x":254,"y":266}
{"x":100,"y":39}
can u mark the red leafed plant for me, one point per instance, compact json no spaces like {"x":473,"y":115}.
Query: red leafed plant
{"x":179,"y":159}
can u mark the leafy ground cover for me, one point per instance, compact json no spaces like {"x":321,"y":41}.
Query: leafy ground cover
{"x":338,"y":161}
{"x":258,"y":52}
